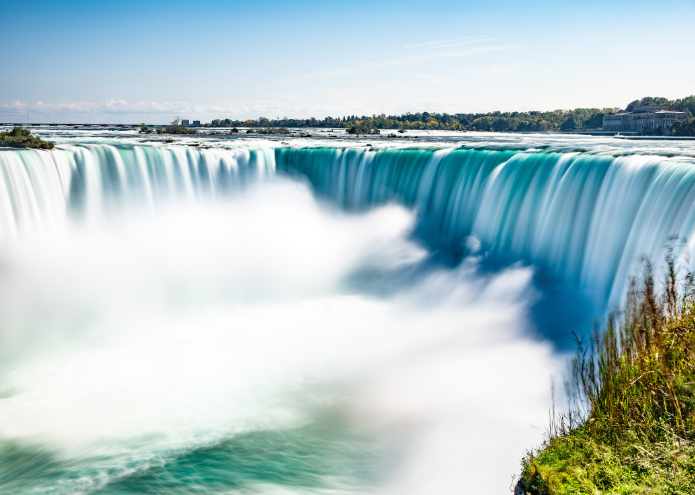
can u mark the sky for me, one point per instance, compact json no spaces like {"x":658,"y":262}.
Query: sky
{"x":131,"y":61}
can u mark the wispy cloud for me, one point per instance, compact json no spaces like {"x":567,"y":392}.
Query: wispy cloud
{"x":399,"y":61}
{"x":441,"y":43}
{"x":481,"y":40}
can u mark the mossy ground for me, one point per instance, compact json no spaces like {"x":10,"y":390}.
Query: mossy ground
{"x":579,"y":464}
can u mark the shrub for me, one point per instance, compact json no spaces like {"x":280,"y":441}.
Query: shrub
{"x":363,"y":127}
{"x":19,"y":137}
{"x":270,"y":130}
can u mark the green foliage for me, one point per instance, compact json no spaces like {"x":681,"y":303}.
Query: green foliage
{"x":362,"y":127}
{"x":686,"y":104}
{"x":683,"y":127}
{"x":570,"y":124}
{"x":579,"y":463}
{"x":649,"y":100}
{"x":144,"y":129}
{"x":532,"y":121}
{"x":19,"y":137}
{"x":634,"y":383}
{"x":594,"y":122}
{"x":271,"y":130}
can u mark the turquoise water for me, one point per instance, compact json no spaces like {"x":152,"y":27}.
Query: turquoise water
{"x":248,"y":316}
{"x":313,"y":458}
{"x":584,"y":214}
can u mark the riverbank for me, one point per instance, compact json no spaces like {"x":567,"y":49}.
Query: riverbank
{"x":633,"y":427}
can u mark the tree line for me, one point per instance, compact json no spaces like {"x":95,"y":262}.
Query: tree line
{"x":556,"y":120}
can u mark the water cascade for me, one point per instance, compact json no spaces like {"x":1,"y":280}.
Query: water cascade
{"x":192,"y":319}
{"x":585,"y":216}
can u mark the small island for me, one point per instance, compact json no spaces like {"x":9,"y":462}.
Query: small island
{"x":174,"y":128}
{"x":20,"y":137}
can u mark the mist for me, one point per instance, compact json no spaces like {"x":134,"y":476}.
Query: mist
{"x":131,"y":340}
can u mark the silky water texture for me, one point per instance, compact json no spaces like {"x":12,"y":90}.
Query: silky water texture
{"x":259,"y":318}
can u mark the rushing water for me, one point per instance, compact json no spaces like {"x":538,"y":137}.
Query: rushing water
{"x":249,"y":316}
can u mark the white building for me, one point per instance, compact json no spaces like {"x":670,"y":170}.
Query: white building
{"x":647,"y":119}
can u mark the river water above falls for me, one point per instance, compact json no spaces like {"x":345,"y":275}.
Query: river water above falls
{"x":308,"y":316}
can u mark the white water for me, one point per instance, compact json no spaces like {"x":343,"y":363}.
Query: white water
{"x":170,"y":300}
{"x":144,"y":336}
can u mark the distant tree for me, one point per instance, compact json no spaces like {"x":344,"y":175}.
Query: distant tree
{"x":144,"y":129}
{"x":593,"y":122}
{"x":570,"y":124}
{"x":355,"y":129}
{"x":683,"y":127}
{"x":649,"y":100}
{"x":497,"y":121}
{"x":362,"y":127}
{"x":686,"y":105}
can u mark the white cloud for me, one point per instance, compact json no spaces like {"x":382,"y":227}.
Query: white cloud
{"x":88,"y":107}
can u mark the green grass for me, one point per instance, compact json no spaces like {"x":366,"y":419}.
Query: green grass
{"x":19,"y":137}
{"x":582,"y":462}
{"x":633,"y":389}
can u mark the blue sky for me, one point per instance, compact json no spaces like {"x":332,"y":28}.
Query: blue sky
{"x":126,"y":62}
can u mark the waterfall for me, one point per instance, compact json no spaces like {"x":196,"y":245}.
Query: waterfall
{"x":584,"y":215}
{"x":166,"y":320}
{"x":40,"y":189}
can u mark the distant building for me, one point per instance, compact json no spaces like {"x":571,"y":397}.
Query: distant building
{"x":196,"y":122}
{"x":647,"y":119}
{"x":184,"y":122}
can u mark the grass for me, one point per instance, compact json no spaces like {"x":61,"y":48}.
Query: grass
{"x":632,"y":390}
{"x":19,"y":137}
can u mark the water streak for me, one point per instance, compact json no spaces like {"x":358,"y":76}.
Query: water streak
{"x":584,"y":216}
